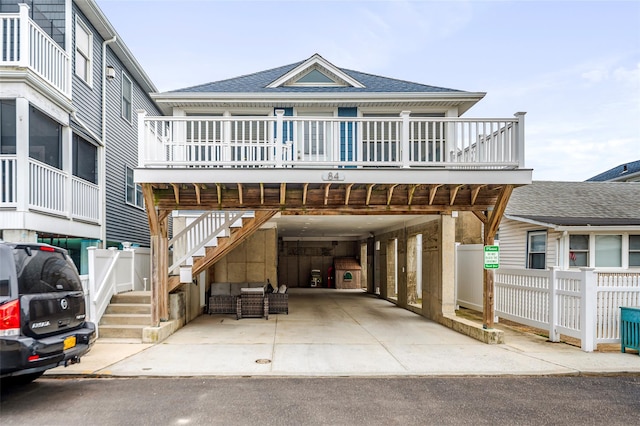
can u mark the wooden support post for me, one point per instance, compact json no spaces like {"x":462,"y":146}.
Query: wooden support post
{"x":154,"y":230}
{"x":490,"y":230}
{"x":163,"y":267}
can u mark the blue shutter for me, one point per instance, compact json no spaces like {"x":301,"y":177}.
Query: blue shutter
{"x":347,"y":135}
{"x":287,"y":127}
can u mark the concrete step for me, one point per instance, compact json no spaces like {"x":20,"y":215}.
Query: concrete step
{"x":126,"y":319}
{"x":121,"y":331}
{"x":128,"y":308}
{"x":132,"y":297}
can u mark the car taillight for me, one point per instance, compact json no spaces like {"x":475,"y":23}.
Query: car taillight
{"x":10,"y":318}
{"x":45,"y":248}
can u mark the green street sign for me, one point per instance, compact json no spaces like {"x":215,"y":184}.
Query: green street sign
{"x":491,"y":257}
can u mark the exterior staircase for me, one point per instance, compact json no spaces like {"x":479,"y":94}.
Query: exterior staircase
{"x":126,"y":316}
{"x":223,"y":231}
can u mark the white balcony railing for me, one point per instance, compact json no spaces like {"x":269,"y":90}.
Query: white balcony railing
{"x":24,"y":44}
{"x":85,"y":200}
{"x":8,"y":178}
{"x":47,"y":188}
{"x":279,"y":141}
{"x":47,"y":191}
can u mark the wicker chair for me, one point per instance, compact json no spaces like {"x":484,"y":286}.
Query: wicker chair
{"x":278,"y":303}
{"x":222,"y":304}
{"x":252,"y":303}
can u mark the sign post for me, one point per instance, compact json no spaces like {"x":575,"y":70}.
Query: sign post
{"x":491,"y":257}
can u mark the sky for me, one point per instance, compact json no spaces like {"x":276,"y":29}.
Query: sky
{"x":572,"y":66}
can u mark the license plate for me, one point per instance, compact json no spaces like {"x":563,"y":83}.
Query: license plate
{"x":69,"y":342}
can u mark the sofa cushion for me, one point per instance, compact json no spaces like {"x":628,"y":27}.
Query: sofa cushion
{"x":235,"y":288}
{"x":220,"y":289}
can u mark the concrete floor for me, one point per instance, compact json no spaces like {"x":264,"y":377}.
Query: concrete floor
{"x":339,"y":333}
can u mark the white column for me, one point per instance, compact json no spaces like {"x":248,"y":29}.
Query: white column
{"x":588,"y":309}
{"x":67,"y":168}
{"x":25,"y":34}
{"x":405,"y":146}
{"x":91,"y":251}
{"x":519,"y":144}
{"x":554,"y":336}
{"x":278,"y":139}
{"x":22,"y":154}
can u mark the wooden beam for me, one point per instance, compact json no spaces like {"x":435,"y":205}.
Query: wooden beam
{"x":432,"y":192}
{"x":240,"y":193}
{"x":326,"y":193}
{"x":390,"y":193}
{"x":150,"y":207}
{"x":453,"y":193}
{"x":261,"y":193}
{"x":219,"y":192}
{"x":283,"y":193}
{"x":474,"y":193}
{"x":176,"y":192}
{"x":412,"y":190}
{"x":480,"y":216}
{"x":348,"y":194}
{"x":501,"y":205}
{"x":304,"y":193}
{"x":197,"y":188}
{"x":369,"y":189}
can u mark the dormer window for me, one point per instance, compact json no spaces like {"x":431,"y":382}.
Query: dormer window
{"x":315,"y":72}
{"x":315,"y":78}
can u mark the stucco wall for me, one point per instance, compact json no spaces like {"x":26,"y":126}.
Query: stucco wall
{"x":255,"y":260}
{"x":438,"y":259}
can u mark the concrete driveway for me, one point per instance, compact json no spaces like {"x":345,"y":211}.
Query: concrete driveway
{"x":339,"y":333}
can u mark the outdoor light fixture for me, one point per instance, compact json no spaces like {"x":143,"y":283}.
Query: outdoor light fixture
{"x":111,"y":72}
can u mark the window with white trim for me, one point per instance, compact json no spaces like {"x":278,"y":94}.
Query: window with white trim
{"x":608,"y":251}
{"x":84,"y":52}
{"x":634,"y":250}
{"x":134,"y":190}
{"x":537,"y":250}
{"x":578,"y":250}
{"x":126,"y":97}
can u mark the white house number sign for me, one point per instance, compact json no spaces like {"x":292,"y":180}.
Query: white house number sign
{"x":333,"y":176}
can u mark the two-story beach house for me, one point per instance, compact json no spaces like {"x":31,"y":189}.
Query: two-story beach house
{"x":333,"y":162}
{"x":69,"y":89}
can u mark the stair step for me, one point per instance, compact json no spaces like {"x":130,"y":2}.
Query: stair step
{"x":126,"y":319}
{"x":128,"y":308}
{"x":132,"y":297}
{"x":121,"y":331}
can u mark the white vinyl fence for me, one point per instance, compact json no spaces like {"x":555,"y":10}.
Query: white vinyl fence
{"x":114,"y":271}
{"x":583,"y":304}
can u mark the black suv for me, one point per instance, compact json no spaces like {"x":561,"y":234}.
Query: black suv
{"x":42,"y":311}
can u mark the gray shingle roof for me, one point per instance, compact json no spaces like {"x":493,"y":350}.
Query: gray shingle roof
{"x":577,"y":203}
{"x":618,"y":172}
{"x":257,"y":83}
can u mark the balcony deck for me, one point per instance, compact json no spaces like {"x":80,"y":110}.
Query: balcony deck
{"x":355,"y":165}
{"x":28,"y":53}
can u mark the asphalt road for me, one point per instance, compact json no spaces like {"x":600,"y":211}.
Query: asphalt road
{"x":558,"y":400}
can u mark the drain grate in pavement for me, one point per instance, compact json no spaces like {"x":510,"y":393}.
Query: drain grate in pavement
{"x":263,"y":361}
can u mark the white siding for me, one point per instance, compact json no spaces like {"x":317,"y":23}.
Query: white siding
{"x":513,"y":243}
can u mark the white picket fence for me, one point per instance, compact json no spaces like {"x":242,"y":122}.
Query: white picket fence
{"x":584,"y":304}
{"x":112,"y":272}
